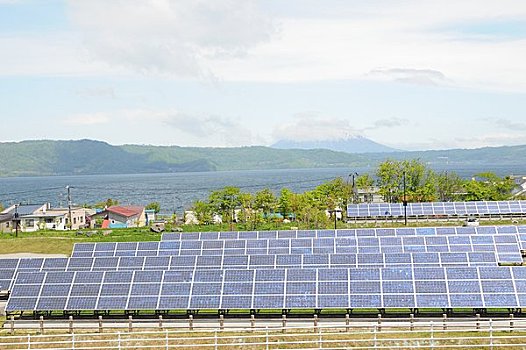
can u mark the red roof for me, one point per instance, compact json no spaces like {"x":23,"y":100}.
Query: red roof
{"x":126,"y":211}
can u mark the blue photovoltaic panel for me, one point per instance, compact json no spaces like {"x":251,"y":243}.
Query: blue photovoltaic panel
{"x":438,"y":208}
{"x":490,"y":287}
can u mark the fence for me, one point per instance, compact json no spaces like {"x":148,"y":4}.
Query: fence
{"x":130,"y":324}
{"x":486,"y":334}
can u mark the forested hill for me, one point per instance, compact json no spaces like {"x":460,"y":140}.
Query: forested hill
{"x":32,"y":158}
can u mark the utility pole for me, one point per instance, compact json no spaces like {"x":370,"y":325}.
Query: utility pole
{"x":16,"y":220}
{"x":70,"y":223}
{"x":352,"y":175}
{"x":405,"y":203}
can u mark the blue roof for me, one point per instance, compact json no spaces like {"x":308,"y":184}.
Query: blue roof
{"x":27,"y":209}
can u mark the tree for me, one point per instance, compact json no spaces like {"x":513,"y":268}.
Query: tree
{"x":155,"y":206}
{"x":203,"y":212}
{"x":225,"y":201}
{"x":108,"y":203}
{"x":388,"y":174}
{"x":265,"y":201}
{"x":365,"y":183}
{"x":449,"y":186}
{"x":488,"y":187}
{"x":285,"y":203}
{"x":420,"y":181}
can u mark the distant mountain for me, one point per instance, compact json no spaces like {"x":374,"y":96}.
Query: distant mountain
{"x":352,"y":144}
{"x":84,"y":157}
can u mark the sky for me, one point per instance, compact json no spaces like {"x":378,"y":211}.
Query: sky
{"x":409,"y":74}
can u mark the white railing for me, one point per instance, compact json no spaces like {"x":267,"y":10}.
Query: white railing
{"x":489,"y":334}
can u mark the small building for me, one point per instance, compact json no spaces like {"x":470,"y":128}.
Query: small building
{"x":41,"y":217}
{"x":120,"y":216}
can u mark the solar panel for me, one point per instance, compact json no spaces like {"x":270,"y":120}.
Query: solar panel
{"x":172,"y":241}
{"x":438,"y":208}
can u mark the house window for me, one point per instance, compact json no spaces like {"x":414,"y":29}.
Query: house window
{"x":74,"y":221}
{"x":30,"y":222}
{"x":7,"y":224}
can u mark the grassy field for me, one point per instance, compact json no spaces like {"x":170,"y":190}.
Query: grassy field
{"x":61,"y":242}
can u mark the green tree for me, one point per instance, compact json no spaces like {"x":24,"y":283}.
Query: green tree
{"x":365,"y":183}
{"x":225,"y":201}
{"x":449,"y":186}
{"x":266,"y":202}
{"x":155,"y":206}
{"x":246,"y":201}
{"x":488,"y":187}
{"x":420,"y":181}
{"x":388,"y":176}
{"x":285,"y":203}
{"x":106,"y":204}
{"x":203,"y":212}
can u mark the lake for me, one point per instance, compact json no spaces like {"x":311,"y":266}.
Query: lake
{"x":176,"y":191}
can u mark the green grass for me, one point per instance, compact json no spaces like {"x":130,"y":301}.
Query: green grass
{"x":61,"y":242}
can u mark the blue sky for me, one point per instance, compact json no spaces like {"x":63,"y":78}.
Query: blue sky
{"x":410,"y":74}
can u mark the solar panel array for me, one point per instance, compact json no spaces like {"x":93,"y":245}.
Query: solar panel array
{"x":439,"y":287}
{"x":505,"y":245}
{"x":345,"y":233}
{"x":366,"y":210}
{"x":441,"y":267}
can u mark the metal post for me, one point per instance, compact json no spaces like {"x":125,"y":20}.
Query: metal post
{"x":119,"y":340}
{"x":12,"y":324}
{"x":320,"y":340}
{"x":29,"y":341}
{"x":266,"y":338}
{"x":70,"y":224}
{"x":191,"y":322}
{"x":411,"y":322}
{"x":491,"y":334}
{"x":221,"y":322}
{"x":73,"y":340}
{"x":511,"y":323}
{"x":160,"y":322}
{"x":405,"y":203}
{"x":347,"y":322}
{"x":375,"y":336}
{"x":315,"y":322}
{"x":379,"y":322}
{"x":444,"y":322}
{"x":130,"y":323}
{"x":41,"y":324}
{"x":432,"y":341}
{"x":283,"y":323}
{"x":478,"y":321}
{"x":167,"y":343}
{"x":71,"y":324}
{"x":100,"y":324}
{"x":215,"y":339}
{"x":252,"y":322}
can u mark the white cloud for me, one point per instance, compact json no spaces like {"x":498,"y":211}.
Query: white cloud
{"x":83,"y":119}
{"x":168,"y":37}
{"x":312,"y":126}
{"x":170,"y":127}
{"x":410,"y":76}
{"x":101,"y":91}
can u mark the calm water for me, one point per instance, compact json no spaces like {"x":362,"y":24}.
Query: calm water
{"x":175,"y":192}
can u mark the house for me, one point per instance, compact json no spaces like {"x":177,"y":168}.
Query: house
{"x":520,"y":186}
{"x":120,"y":216}
{"x":6,"y":222}
{"x":42,"y":217}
